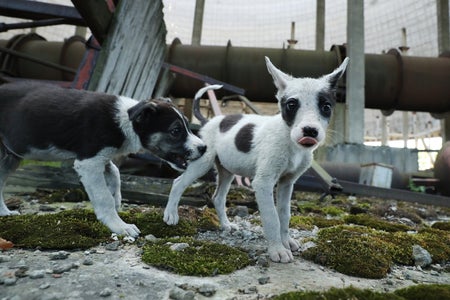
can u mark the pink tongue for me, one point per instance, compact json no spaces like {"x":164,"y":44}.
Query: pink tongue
{"x":307,"y":141}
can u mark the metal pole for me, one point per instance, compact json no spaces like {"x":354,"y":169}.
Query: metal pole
{"x":354,"y":132}
{"x":320,"y":25}
{"x":198,"y":22}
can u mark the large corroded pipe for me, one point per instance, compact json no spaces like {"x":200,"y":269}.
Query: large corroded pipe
{"x":393,"y":82}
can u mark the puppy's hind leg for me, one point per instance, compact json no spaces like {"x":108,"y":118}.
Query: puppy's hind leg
{"x":8,"y":164}
{"x":112,"y":177}
{"x":224,"y":180}
{"x":194,"y":170}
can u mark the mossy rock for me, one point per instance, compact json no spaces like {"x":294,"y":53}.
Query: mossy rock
{"x":352,"y":251}
{"x":308,"y":222}
{"x":441,"y":225}
{"x":61,"y":195}
{"x":425,"y":291}
{"x":74,"y":229}
{"x":152,"y":223}
{"x":199,"y":259}
{"x":437,"y":242}
{"x":80,"y":229}
{"x":418,"y":292}
{"x":375,"y":223}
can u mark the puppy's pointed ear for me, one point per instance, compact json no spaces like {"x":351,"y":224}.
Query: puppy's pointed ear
{"x":279,"y":78}
{"x":140,"y":111}
{"x":336,"y":74}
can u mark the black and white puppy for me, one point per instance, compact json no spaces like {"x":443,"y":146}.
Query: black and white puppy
{"x":272,"y":150}
{"x":46,"y":122}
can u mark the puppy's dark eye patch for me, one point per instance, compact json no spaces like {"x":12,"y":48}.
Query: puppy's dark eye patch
{"x":289,"y":108}
{"x":326,"y":103}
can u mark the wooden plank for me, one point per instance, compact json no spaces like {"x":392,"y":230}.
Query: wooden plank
{"x":97,"y":15}
{"x":130,"y":60}
{"x":135,"y":189}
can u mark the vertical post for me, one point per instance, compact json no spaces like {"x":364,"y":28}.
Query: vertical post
{"x":198,"y":22}
{"x":384,"y":131}
{"x":320,"y":25}
{"x":354,"y":128}
{"x":442,"y":8}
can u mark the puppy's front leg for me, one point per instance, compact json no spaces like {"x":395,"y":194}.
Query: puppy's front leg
{"x":270,"y":220}
{"x":91,"y":172}
{"x":112,"y":177}
{"x":284,"y":194}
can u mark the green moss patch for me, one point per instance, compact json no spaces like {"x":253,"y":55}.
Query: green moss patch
{"x":74,"y":229}
{"x":375,"y":223}
{"x":425,"y":291}
{"x":308,"y":223}
{"x":198,"y":259}
{"x":351,"y":251}
{"x":365,"y":252}
{"x":418,"y":292}
{"x":442,"y":226}
{"x":80,"y":229}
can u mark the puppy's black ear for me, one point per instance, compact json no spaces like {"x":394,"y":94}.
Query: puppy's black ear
{"x":336,"y":74}
{"x":144,"y":108}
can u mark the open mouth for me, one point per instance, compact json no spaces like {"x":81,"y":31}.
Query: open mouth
{"x":178,"y":161}
{"x":307,"y":141}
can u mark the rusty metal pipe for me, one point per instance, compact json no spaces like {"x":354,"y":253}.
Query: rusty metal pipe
{"x":393,"y":82}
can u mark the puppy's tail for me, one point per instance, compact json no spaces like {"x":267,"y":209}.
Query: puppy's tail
{"x":196,"y":103}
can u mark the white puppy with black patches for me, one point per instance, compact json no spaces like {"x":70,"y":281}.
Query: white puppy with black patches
{"x":46,"y":122}
{"x":272,"y":150}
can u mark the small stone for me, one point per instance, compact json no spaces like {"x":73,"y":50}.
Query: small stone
{"x":239,"y":210}
{"x":114,"y":246}
{"x":8,"y":281}
{"x":36,"y":274}
{"x":4,"y":258}
{"x":263,"y":262}
{"x":45,"y":207}
{"x":179,"y":294}
{"x":249,"y":290}
{"x":21,"y":272}
{"x":151,"y":238}
{"x":58,"y":255}
{"x":422,"y":257}
{"x":179,"y":246}
{"x":264,"y":280}
{"x":59,"y":269}
{"x":88,"y":262}
{"x":207,"y":290}
{"x":129,"y":239}
{"x":44,"y":286}
{"x":105,"y":292}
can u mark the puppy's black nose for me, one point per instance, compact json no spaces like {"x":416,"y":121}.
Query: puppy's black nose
{"x":310,"y":132}
{"x":202,"y":149}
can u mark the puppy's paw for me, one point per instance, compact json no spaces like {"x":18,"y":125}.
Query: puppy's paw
{"x":171,"y":216}
{"x":126,"y":229}
{"x":9,"y":213}
{"x":291,"y":244}
{"x":132,"y":230}
{"x":280,"y":254}
{"x":228,"y":226}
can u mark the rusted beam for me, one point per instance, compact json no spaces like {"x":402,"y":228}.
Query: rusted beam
{"x":34,"y":10}
{"x":97,"y":15}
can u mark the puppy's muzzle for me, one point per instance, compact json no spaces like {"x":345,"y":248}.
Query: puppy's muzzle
{"x":309,"y":138}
